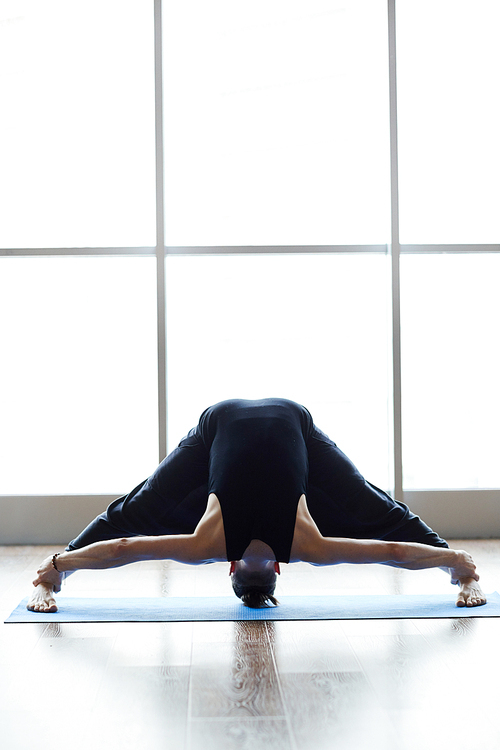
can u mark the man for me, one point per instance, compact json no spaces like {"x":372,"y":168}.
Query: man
{"x":256,"y":483}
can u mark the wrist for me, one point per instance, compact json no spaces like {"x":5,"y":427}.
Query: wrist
{"x":454,"y":558}
{"x":60,"y":562}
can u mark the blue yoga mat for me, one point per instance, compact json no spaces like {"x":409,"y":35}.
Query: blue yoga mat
{"x":193,"y":609}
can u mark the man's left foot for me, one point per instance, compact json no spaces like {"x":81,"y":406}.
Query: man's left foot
{"x":42,"y":599}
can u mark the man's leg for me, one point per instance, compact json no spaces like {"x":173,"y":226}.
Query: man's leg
{"x":344,"y":504}
{"x":171,"y":501}
{"x":340,"y":499}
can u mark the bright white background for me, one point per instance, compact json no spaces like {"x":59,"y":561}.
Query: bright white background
{"x":451,"y":370}
{"x":448,"y":121}
{"x":77,"y":125}
{"x":276,"y":122}
{"x":310,"y":328}
{"x":78,"y":381}
{"x":276,"y":133}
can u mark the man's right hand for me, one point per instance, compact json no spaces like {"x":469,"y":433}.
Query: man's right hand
{"x":464,"y":567}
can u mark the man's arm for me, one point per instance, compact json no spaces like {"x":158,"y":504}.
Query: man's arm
{"x":206,"y":544}
{"x":409,"y":555}
{"x":310,"y":546}
{"x":118,"y":552}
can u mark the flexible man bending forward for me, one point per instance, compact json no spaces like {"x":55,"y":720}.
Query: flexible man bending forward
{"x":207,"y":544}
{"x":257,"y":462}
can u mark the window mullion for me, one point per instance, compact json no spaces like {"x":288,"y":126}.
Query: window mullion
{"x":395,"y":255}
{"x":160,"y":237}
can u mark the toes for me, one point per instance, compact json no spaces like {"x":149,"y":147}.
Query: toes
{"x":43,"y":606}
{"x":464,"y":600}
{"x":477,"y":599}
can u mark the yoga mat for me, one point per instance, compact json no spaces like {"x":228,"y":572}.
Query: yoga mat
{"x":193,"y":609}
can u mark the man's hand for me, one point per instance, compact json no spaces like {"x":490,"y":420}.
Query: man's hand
{"x":463,"y":568}
{"x":47,"y":574}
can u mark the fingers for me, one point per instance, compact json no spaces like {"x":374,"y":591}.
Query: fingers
{"x":474,"y":576}
{"x":464,"y":574}
{"x":467,"y":580}
{"x":47,"y":575}
{"x":465,"y":567}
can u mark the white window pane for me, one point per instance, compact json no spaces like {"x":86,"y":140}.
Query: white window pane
{"x":451,"y":371}
{"x":276,"y":122}
{"x":77,"y":126}
{"x":78,"y":382}
{"x":449,"y":120}
{"x":310,"y":328}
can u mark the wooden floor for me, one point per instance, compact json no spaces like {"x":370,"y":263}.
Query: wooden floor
{"x":391,"y":684}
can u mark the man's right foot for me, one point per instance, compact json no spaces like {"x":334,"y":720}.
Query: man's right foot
{"x":42,"y":599}
{"x":470,"y":594}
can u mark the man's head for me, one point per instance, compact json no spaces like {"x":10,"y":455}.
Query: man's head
{"x":255,"y":586}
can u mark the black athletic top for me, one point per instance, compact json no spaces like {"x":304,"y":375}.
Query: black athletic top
{"x":258,"y":468}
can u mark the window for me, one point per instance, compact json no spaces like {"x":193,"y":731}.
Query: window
{"x":451,"y":370}
{"x":312,"y":328}
{"x":77,"y":133}
{"x":276,"y":126}
{"x":276,"y":224}
{"x":448,"y":121}
{"x":78,"y":385}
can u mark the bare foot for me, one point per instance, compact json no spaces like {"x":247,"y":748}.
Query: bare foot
{"x":470,"y":594}
{"x":42,"y":599}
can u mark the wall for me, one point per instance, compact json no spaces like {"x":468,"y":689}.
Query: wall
{"x":58,"y":519}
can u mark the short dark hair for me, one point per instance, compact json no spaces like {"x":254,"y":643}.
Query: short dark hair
{"x":255,"y":594}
